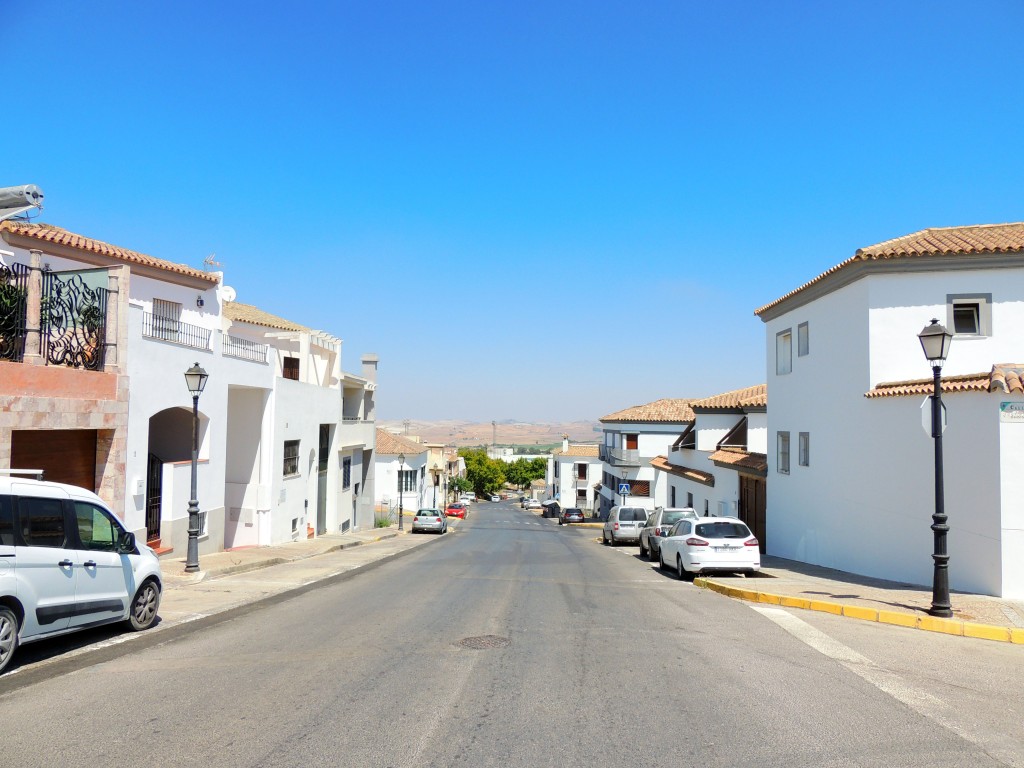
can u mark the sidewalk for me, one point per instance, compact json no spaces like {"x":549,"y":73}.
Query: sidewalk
{"x":800,"y":585}
{"x":232,"y":579}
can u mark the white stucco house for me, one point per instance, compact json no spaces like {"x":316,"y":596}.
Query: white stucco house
{"x":718,"y":465}
{"x":573,"y":474}
{"x":850,"y":467}
{"x":632,"y":439}
{"x":401,"y":473}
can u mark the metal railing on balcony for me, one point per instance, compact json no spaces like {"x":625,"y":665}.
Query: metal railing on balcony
{"x":620,"y":457}
{"x":13,"y":301}
{"x":245,"y":349}
{"x":175,"y":331}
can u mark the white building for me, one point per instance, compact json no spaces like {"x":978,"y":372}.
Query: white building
{"x":851,"y":468}
{"x":632,"y":438}
{"x":573,"y":474}
{"x":718,"y":465}
{"x":401,"y":473}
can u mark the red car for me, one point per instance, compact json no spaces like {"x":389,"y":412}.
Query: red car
{"x":456,"y":509}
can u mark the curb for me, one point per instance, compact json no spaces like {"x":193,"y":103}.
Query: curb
{"x":895,"y":618}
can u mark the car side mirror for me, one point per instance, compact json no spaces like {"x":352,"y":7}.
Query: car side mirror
{"x":126,"y":542}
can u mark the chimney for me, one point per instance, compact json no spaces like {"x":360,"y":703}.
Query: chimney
{"x":565,"y":443}
{"x":370,"y":367}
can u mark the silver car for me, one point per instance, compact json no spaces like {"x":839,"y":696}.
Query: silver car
{"x":623,"y":525}
{"x":430,"y":520}
{"x":657,"y":528}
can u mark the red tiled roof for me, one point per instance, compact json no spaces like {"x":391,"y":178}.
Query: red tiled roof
{"x":579,"y":450}
{"x":937,"y":241}
{"x":662,"y":463}
{"x":749,"y":397}
{"x":389,"y":444}
{"x":667,"y":410}
{"x":48,"y":233}
{"x":755,"y":462}
{"x":1004,"y":377}
{"x":247,"y":313}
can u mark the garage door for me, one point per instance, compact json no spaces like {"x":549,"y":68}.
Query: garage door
{"x":67,"y":455}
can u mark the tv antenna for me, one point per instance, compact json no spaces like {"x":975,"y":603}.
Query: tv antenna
{"x":209,"y":261}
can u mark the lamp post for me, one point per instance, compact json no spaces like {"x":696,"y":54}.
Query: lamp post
{"x":401,"y":489}
{"x":195,"y":380}
{"x":935,"y":341}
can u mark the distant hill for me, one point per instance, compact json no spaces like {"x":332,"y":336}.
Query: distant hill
{"x":509,"y":432}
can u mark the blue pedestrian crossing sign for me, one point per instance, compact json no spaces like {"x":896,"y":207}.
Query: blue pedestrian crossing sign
{"x":624,"y":489}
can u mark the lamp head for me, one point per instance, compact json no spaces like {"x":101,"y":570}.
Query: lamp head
{"x":195,"y":380}
{"x":935,"y":340}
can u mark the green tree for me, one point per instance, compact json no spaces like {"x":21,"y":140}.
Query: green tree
{"x":486,"y":475}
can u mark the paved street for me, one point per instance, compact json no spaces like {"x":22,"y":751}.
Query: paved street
{"x":512,"y":641}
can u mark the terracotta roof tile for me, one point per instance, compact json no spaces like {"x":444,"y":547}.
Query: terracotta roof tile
{"x":662,"y":463}
{"x":1004,"y":377}
{"x":48,"y":233}
{"x":749,"y":397}
{"x":392,"y":445}
{"x":580,"y":450}
{"x":937,"y":241}
{"x":756,"y":462}
{"x":668,"y":410}
{"x":246,"y":313}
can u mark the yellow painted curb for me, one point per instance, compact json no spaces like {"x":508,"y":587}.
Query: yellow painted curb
{"x":895,"y":618}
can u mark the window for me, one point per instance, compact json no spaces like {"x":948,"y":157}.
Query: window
{"x":290,"y":368}
{"x":346,"y":473}
{"x":706,"y":508}
{"x":291,"y":458}
{"x":784,"y":351}
{"x":6,"y":522}
{"x":166,"y":317}
{"x":969,"y":314}
{"x":639,"y":487}
{"x":689,"y":500}
{"x":42,"y":522}
{"x":805,"y":449}
{"x":407,"y":480}
{"x":783,"y":452}
{"x":672,"y":496}
{"x":631,"y":442}
{"x":803,"y":341}
{"x":96,"y":529}
{"x":581,"y":471}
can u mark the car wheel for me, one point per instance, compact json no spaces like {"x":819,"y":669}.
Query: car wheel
{"x":8,"y":636}
{"x":643,"y":552}
{"x":144,"y":606}
{"x":661,"y":562}
{"x":684,"y":575}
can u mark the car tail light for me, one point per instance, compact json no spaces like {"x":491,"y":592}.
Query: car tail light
{"x":751,"y":542}
{"x":415,"y":519}
{"x":438,"y":520}
{"x":693,"y":541}
{"x":616,"y":526}
{"x":657,"y":531}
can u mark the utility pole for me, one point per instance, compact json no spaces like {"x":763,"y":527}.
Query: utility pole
{"x":494,"y":433}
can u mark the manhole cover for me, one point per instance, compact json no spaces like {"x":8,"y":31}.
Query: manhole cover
{"x":483,"y":642}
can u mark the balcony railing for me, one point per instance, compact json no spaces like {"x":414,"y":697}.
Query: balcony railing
{"x":245,"y":349}
{"x":175,"y":331}
{"x":620,"y":457}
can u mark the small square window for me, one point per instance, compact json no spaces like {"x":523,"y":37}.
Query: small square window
{"x":805,"y":449}
{"x":783,"y":452}
{"x":803,"y":340}
{"x":969,"y":314}
{"x":966,"y":318}
{"x":291,"y":457}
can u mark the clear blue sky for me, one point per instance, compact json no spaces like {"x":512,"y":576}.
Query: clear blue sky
{"x":542,"y":211}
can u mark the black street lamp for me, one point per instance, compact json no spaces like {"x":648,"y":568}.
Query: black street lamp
{"x":195,"y":380}
{"x":401,"y":488}
{"x":935,"y":341}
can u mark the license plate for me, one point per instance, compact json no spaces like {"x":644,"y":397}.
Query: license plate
{"x":726,"y":549}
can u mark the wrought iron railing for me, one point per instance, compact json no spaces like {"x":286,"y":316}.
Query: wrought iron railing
{"x":73,"y":321}
{"x":13,"y":303}
{"x":245,"y":349}
{"x":168,"y":329}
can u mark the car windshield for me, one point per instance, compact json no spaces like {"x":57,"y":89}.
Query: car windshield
{"x":632,"y":513}
{"x":723,"y":530}
{"x":670,"y":518}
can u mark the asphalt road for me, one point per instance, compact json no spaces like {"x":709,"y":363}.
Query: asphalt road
{"x":518,"y":643}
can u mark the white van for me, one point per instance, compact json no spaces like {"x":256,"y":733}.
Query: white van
{"x":623,"y":525}
{"x":66,"y":563}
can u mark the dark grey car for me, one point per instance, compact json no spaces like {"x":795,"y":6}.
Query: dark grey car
{"x":658,"y":526}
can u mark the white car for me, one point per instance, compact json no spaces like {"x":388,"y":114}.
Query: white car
{"x":495,"y":497}
{"x":66,"y":563}
{"x":464,"y":498}
{"x":709,"y":544}
{"x":533,"y":504}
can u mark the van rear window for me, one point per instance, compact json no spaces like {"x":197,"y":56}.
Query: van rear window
{"x":630,"y":513}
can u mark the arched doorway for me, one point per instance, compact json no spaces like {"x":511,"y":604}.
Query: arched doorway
{"x":170,"y":442}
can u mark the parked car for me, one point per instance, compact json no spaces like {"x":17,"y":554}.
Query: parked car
{"x":623,"y":525}
{"x":68,"y":564}
{"x":710,"y":544}
{"x":495,"y":497}
{"x":430,"y":520}
{"x":470,"y":495}
{"x":464,"y":499}
{"x":533,"y":504}
{"x":571,"y":515}
{"x":658,"y":526}
{"x":456,"y":509}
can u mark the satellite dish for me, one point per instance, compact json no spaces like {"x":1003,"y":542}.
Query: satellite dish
{"x":227,"y":293}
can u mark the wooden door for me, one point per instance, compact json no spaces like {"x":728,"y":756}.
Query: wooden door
{"x":753,"y":507}
{"x":65,"y":455}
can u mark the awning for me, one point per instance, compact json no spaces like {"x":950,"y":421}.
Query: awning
{"x":696,"y":475}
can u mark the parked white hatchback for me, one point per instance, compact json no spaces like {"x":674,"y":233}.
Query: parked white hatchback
{"x":710,"y":544}
{"x":66,"y":564}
